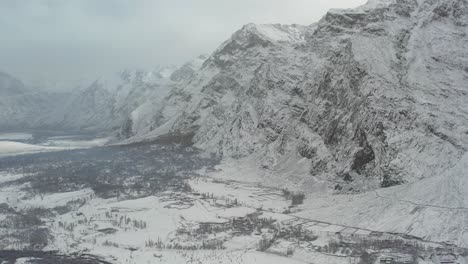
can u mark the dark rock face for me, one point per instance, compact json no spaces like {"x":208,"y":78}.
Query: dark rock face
{"x":364,"y":154}
{"x":389,"y":181}
{"x":126,"y":130}
{"x":452,"y":10}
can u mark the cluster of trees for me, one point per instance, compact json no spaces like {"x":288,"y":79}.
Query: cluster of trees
{"x":295,"y":197}
{"x":67,"y":226}
{"x":213,"y":244}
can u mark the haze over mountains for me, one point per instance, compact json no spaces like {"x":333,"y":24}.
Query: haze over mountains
{"x":102,"y":107}
{"x":365,"y":98}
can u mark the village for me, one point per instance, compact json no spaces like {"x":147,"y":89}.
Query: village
{"x":223,"y":216}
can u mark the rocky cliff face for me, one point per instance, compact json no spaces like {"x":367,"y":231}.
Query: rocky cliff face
{"x":373,"y":96}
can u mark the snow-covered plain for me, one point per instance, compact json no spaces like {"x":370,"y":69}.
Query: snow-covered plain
{"x":73,"y":143}
{"x":12,"y":148}
{"x":174,"y":226}
{"x":126,"y":231}
{"x":16,"y":136}
{"x":433,"y":209}
{"x":162,"y":218}
{"x":12,"y":144}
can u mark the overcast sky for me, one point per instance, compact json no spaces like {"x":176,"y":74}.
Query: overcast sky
{"x":69,"y":40}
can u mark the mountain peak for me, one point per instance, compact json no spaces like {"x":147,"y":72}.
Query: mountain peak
{"x":273,"y":32}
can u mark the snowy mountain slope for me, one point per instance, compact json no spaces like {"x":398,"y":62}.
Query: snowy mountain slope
{"x":21,"y":106}
{"x":433,"y":209}
{"x":101,"y":107}
{"x":114,"y":104}
{"x":188,"y":70}
{"x":372,"y":95}
{"x":10,"y":86}
{"x":138,"y":95}
{"x":78,"y":110}
{"x":87,"y":109}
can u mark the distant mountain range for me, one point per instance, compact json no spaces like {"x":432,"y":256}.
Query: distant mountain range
{"x":104,"y":106}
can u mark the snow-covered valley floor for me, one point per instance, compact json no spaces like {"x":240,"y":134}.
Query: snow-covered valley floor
{"x":19,"y":143}
{"x":170,"y":204}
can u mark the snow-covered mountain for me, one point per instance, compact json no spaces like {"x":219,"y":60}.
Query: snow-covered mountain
{"x":103,"y":106}
{"x":10,"y":86}
{"x":374,"y":96}
{"x":138,"y":95}
{"x":21,"y":106}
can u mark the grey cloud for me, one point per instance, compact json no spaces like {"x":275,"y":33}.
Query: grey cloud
{"x":69,"y":40}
